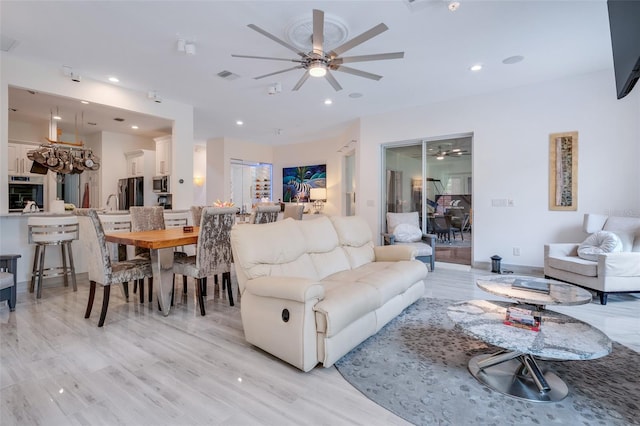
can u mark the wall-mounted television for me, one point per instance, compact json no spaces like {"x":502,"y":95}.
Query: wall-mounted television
{"x":624,"y":24}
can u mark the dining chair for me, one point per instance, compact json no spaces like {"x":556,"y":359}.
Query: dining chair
{"x":8,"y":284}
{"x":100,"y":267}
{"x":213,"y":252}
{"x":196,"y":214}
{"x":178,"y":219}
{"x":265,"y":213}
{"x":294,"y":211}
{"x":148,"y":218}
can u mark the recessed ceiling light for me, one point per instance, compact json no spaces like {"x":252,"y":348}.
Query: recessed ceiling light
{"x":513,"y":60}
{"x":476,"y":67}
{"x":454,"y":5}
{"x":328,"y":101}
{"x":134,"y":127}
{"x":84,"y":102}
{"x":239,"y":122}
{"x":114,"y":79}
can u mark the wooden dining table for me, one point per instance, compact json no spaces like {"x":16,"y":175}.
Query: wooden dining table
{"x":160,"y":244}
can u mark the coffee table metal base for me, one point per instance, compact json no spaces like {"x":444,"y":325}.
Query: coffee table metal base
{"x":518,"y":375}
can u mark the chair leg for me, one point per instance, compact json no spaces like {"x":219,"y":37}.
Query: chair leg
{"x":226,"y":277}
{"x":199,"y":295}
{"x":92,"y":295}
{"x":184,"y":284}
{"x":150,"y":289}
{"x":32,"y":286}
{"x":40,"y":273}
{"x":65,"y":270}
{"x":204,"y":286}
{"x":73,"y":268}
{"x":125,"y":290}
{"x":135,"y":286}
{"x":105,"y":305}
{"x":141,"y":288}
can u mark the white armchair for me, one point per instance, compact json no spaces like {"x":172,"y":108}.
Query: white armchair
{"x":404,"y":229}
{"x":616,"y":272}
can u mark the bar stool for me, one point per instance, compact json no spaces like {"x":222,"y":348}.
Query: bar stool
{"x":54,"y":230}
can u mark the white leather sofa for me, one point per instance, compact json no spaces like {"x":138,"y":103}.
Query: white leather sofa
{"x":612,"y":272}
{"x":312,"y":290}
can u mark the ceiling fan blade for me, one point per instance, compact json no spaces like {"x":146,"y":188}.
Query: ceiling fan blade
{"x":278,"y":72}
{"x":359,"y":73}
{"x":300,"y":82}
{"x":267,"y":57}
{"x":276,"y":39}
{"x":350,"y":44}
{"x":318,"y":31}
{"x":332,"y":81}
{"x":365,"y":58}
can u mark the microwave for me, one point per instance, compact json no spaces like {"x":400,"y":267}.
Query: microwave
{"x":161,"y":184}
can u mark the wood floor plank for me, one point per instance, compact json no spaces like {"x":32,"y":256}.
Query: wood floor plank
{"x":143,"y":368}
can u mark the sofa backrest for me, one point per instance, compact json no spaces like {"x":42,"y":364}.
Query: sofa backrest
{"x":312,"y":248}
{"x":626,"y":228}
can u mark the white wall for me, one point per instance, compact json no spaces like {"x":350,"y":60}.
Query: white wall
{"x":510,"y":159}
{"x":200,"y":171}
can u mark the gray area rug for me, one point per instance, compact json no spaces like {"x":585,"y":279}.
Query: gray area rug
{"x":416,"y":367}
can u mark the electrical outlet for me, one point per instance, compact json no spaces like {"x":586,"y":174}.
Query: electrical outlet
{"x":516,"y":251}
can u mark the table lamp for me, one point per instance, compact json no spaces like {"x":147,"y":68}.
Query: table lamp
{"x":318,"y":196}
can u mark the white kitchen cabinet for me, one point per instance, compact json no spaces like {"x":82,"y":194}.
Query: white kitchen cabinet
{"x":163,"y":155}
{"x":19,"y":164}
{"x":135,"y":163}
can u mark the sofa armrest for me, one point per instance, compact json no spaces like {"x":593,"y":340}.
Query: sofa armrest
{"x":561,"y":249}
{"x":620,"y":264}
{"x":393,"y":253}
{"x":429,"y":239}
{"x":290,"y":288}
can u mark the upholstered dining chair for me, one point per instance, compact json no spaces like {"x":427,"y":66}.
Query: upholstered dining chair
{"x":294,"y":211}
{"x":100,"y":267}
{"x":404,"y":228}
{"x":265,"y":213}
{"x":213,"y":252}
{"x":196,"y":214}
{"x":178,"y":219}
{"x":149,"y":218}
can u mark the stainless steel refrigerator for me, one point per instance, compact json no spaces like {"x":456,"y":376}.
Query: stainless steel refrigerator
{"x":130,"y":192}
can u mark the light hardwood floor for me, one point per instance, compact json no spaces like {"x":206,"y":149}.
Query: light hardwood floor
{"x":142,"y":368}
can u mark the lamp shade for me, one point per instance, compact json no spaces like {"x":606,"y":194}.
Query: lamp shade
{"x":318,"y":194}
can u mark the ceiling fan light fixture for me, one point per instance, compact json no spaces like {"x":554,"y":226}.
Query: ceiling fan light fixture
{"x":317,"y":69}
{"x":440,"y":157}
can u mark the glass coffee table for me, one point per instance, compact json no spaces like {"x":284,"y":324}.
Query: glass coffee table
{"x":515,"y":370}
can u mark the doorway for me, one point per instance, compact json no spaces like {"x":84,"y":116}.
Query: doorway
{"x":434,"y":178}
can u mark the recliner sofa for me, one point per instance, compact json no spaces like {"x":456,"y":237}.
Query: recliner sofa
{"x":312,"y":290}
{"x":617,"y":272}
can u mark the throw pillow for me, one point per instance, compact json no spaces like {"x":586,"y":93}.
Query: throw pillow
{"x":598,"y":243}
{"x":406,"y":233}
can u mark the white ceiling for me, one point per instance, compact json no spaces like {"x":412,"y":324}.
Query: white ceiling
{"x":136,"y":41}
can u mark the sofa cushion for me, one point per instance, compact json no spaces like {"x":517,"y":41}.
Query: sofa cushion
{"x":323,"y":246}
{"x":342,"y":305}
{"x":574,"y":264}
{"x":598,"y":243}
{"x":356,"y":239}
{"x":406,"y":233}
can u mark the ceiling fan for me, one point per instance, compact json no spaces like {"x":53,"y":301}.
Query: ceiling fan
{"x":319,"y":63}
{"x":452,"y":152}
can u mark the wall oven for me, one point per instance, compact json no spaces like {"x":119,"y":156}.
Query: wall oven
{"x":23,"y":189}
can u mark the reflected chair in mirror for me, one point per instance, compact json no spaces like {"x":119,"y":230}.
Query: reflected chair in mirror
{"x":265,"y":213}
{"x":100,"y":267}
{"x":213,"y":252}
{"x":404,"y":228}
{"x":8,"y":283}
{"x":146,"y":219}
{"x":294,"y":211}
